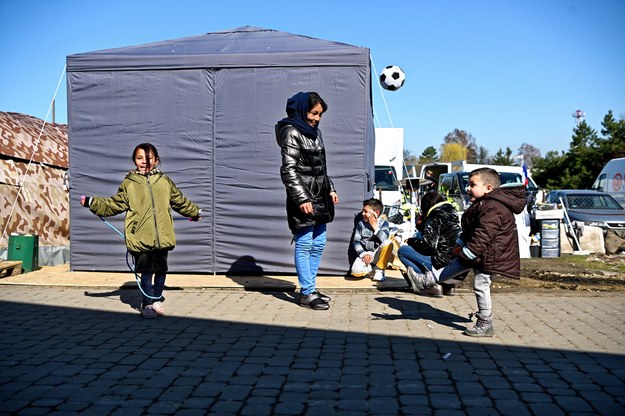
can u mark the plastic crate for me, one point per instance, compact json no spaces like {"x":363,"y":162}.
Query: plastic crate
{"x":550,"y":243}
{"x":550,"y":252}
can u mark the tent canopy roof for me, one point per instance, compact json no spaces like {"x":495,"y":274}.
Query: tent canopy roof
{"x":21,"y":135}
{"x":245,"y":46}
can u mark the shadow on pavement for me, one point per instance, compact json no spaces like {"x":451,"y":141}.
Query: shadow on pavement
{"x":410,"y":309}
{"x":76,"y":360}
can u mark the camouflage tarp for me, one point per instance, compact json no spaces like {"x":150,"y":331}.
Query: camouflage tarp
{"x":43,"y":204}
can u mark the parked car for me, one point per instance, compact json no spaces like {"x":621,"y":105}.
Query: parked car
{"x":594,"y":208}
{"x":611,"y":180}
{"x":455,"y":185}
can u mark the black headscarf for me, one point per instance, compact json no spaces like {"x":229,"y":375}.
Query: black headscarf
{"x":297,"y":111}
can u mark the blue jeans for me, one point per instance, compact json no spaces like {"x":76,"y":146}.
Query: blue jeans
{"x":154,"y":290}
{"x":309,"y":245}
{"x":412,"y":258}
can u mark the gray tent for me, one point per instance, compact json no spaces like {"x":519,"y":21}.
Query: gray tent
{"x":209,"y":103}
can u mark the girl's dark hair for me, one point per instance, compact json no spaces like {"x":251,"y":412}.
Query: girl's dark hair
{"x":148,"y":148}
{"x":429,"y":200}
{"x":314,"y":99}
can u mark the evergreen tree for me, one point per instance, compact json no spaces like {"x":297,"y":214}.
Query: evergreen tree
{"x":583,"y":158}
{"x":503,"y":159}
{"x":613,"y":145}
{"x":429,"y":155}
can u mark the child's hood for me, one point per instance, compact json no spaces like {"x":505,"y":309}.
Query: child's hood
{"x":512,"y":197}
{"x":136,"y":176}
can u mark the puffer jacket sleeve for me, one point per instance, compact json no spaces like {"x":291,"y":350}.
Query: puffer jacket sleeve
{"x":291,"y":154}
{"x":116,"y":204}
{"x":181,"y":204}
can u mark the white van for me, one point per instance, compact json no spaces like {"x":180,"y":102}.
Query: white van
{"x":612,"y":180}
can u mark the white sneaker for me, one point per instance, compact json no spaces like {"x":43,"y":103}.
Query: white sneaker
{"x":158,"y":308}
{"x":379,"y":276}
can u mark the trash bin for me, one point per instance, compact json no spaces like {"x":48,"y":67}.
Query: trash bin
{"x":24,"y":248}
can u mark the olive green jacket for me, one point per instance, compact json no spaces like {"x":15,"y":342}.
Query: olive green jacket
{"x":146,"y":199}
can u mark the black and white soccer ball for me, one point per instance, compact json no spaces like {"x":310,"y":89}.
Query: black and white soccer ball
{"x":392,"y":78}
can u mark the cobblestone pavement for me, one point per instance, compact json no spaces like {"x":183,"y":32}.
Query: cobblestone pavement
{"x":69,"y":351}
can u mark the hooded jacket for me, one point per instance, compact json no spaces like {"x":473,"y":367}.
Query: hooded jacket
{"x":146,"y":199}
{"x":304,"y":174}
{"x":439,"y":234}
{"x":489,"y":232}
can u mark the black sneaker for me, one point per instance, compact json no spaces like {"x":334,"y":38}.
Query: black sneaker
{"x":323,"y":297}
{"x":313,"y":301}
{"x":449,"y":290}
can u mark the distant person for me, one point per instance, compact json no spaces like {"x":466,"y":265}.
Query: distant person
{"x":433,"y":185}
{"x":146,"y":195}
{"x":310,"y":193}
{"x":438,"y":228}
{"x":488,"y":244}
{"x":371,"y":242}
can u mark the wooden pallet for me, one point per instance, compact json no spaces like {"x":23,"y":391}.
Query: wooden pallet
{"x":10,"y":268}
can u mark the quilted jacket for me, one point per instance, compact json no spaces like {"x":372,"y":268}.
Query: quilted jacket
{"x":438,"y":235}
{"x":146,"y":199}
{"x":305,"y":177}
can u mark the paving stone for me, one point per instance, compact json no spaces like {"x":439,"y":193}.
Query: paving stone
{"x":229,"y":353}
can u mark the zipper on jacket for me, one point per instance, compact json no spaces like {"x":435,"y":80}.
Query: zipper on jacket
{"x":158,"y":240}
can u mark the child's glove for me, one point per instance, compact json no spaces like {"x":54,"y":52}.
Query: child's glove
{"x":85,"y":201}
{"x":197,"y":217}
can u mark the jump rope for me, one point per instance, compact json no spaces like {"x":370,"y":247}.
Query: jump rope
{"x":131,"y":267}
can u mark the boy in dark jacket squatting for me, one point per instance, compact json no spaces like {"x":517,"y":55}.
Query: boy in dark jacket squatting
{"x":488,"y":244}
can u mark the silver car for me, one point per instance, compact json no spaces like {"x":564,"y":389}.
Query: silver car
{"x":594,"y":208}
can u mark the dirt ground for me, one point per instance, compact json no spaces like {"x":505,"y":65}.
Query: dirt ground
{"x":597,"y":273}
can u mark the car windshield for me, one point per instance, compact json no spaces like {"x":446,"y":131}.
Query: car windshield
{"x":385,"y":178}
{"x":507,"y":179}
{"x":581,"y":201}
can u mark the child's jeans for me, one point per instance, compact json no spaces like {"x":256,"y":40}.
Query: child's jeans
{"x":309,"y":245}
{"x":412,"y":258}
{"x":153,"y":290}
{"x":481,"y":283}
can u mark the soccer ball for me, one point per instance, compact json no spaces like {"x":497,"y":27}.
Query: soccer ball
{"x":392,"y":78}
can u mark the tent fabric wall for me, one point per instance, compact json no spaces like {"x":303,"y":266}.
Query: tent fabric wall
{"x":210,"y":108}
{"x":33,"y":198}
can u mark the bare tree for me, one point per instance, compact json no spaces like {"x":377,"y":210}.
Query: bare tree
{"x":530,"y":154}
{"x":467,"y":140}
{"x":482,"y":155}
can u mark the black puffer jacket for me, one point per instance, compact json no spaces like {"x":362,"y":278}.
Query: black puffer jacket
{"x":439,"y":233}
{"x":305,"y":177}
{"x":489,"y":231}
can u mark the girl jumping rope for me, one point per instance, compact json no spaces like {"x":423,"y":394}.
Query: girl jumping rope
{"x":147,"y":196}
